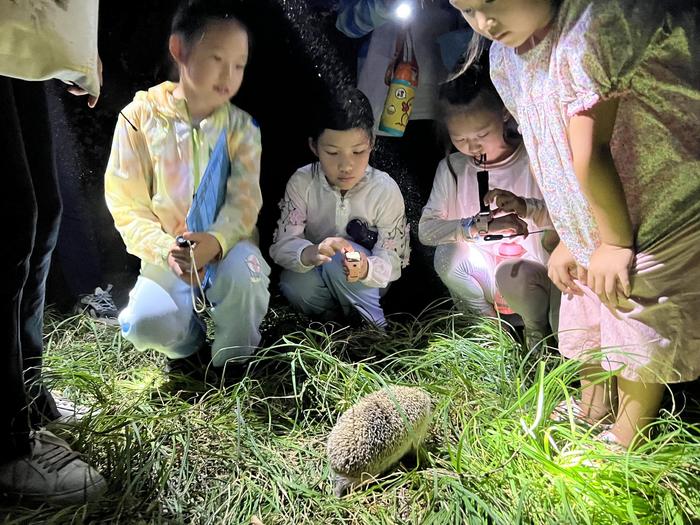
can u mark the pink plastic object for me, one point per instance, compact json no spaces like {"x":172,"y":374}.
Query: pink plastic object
{"x":506,"y":250}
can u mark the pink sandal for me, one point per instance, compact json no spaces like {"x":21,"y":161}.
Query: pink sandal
{"x":571,"y":409}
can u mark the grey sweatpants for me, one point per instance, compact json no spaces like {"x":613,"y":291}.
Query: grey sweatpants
{"x":160,"y":315}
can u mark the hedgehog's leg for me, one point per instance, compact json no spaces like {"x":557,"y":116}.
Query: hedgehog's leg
{"x":341,"y":484}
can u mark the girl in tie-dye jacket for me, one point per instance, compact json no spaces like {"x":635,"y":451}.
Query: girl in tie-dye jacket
{"x":161,"y":147}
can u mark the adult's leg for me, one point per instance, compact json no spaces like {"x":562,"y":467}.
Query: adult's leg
{"x":76,"y":255}
{"x":19,"y":212}
{"x":36,"y":465}
{"x":30,"y":100}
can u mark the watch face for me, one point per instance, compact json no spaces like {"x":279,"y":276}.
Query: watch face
{"x":353,"y":256}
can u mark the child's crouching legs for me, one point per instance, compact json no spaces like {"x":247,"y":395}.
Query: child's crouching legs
{"x":308,"y":293}
{"x":355,"y":295}
{"x":159,"y":315}
{"x":526,"y":288}
{"x":468,"y":273}
{"x":240,"y":296}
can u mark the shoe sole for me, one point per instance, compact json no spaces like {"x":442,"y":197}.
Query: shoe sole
{"x":72,"y":497}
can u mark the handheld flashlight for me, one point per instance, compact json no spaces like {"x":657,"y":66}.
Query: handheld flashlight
{"x":404,"y":11}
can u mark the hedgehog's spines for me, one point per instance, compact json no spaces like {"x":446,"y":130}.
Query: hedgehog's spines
{"x":372,"y":435}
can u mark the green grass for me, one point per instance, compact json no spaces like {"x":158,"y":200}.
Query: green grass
{"x":258,"y":449}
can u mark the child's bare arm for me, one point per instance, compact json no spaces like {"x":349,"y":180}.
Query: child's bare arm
{"x":590,"y":133}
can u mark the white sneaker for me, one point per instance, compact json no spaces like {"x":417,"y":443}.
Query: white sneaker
{"x":71,"y":413}
{"x":51,"y":472}
{"x":99,"y":306}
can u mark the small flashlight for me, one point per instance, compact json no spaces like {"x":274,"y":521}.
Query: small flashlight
{"x":403,"y":11}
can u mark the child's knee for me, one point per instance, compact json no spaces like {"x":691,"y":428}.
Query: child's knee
{"x":152,"y":331}
{"x":334,"y":269}
{"x":243,"y":265}
{"x":509,"y":277}
{"x":451,"y":261}
{"x":293,"y":288}
{"x":453,"y":273}
{"x":520,"y":277}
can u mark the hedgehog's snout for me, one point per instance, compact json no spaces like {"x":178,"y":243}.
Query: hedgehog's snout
{"x":341,"y":485}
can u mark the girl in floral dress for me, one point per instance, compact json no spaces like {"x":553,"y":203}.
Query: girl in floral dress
{"x":606,"y":95}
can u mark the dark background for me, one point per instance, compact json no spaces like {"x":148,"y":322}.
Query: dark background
{"x":297,"y":52}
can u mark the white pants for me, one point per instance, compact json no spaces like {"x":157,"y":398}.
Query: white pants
{"x":472,"y":275}
{"x":160,"y":315}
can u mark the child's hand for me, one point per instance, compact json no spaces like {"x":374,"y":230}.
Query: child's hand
{"x":563,"y":269}
{"x":360,"y":270}
{"x":608,"y":273}
{"x":180,"y":264}
{"x":508,"y":225}
{"x":206,"y":248}
{"x":506,"y":202}
{"x":321,"y":253}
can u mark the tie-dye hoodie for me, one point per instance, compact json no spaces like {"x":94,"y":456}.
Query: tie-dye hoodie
{"x":157,"y":161}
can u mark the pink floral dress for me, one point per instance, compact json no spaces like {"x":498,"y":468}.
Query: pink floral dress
{"x":646,"y":54}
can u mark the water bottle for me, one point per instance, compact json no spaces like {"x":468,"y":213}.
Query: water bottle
{"x":402,"y":90}
{"x":506,"y":250}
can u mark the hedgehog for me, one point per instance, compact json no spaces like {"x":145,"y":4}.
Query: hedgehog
{"x":375,"y":433}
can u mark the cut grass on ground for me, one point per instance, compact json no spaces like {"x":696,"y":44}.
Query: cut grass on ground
{"x":257,"y":450}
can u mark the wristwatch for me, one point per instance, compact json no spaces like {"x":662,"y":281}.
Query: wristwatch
{"x":354,"y":260}
{"x":481,"y":221}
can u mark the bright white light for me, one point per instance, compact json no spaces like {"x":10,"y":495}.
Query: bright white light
{"x":404,"y":11}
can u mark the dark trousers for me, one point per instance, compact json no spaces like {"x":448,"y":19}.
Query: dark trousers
{"x":76,"y":258}
{"x":30,"y":213}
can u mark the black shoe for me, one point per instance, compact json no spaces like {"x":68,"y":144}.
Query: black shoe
{"x":191,"y":372}
{"x":231,"y":373}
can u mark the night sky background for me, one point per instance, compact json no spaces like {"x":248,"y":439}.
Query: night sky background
{"x":297,"y":52}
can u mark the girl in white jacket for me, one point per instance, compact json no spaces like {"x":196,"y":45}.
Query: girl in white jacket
{"x":342,"y":236}
{"x":483,"y":275}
